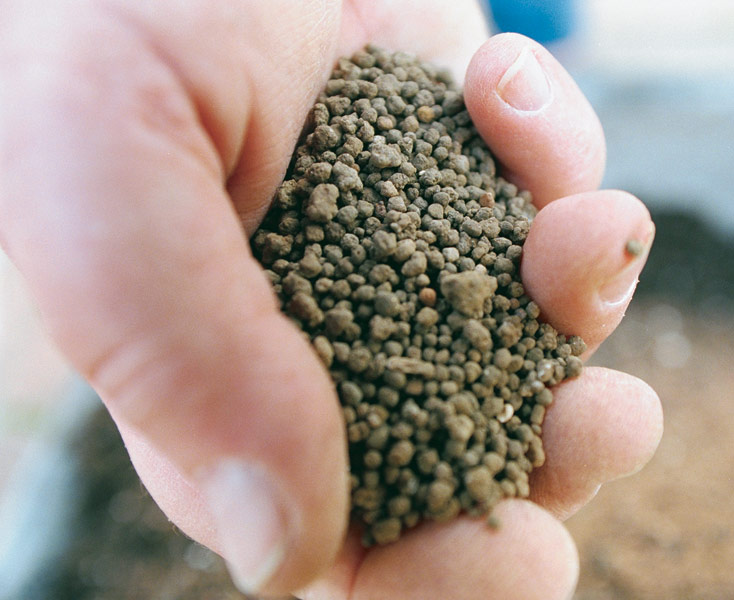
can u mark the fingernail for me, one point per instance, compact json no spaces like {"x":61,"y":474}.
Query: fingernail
{"x":524,"y":86}
{"x":618,"y":289}
{"x":249,"y":515}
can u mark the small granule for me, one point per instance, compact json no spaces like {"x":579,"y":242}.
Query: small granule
{"x":395,"y":247}
{"x":634,"y":247}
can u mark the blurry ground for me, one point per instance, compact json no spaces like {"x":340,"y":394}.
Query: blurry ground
{"x":666,"y":533}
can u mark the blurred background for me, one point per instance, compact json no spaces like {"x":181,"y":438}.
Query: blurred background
{"x":75,"y":523}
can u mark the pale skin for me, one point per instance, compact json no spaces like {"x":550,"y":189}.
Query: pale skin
{"x":140,"y":145}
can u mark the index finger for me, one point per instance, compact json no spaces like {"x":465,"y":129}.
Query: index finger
{"x":535,"y":118}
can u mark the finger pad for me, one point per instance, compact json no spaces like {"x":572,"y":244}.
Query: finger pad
{"x":574,"y":247}
{"x":529,"y":556}
{"x":601,"y":426}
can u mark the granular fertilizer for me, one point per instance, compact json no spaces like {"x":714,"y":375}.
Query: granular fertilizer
{"x":395,"y":247}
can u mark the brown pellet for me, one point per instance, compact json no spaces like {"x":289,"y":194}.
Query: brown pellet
{"x":396,"y":248}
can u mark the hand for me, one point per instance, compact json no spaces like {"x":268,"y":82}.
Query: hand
{"x":138,"y":137}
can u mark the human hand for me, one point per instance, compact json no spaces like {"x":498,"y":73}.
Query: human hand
{"x":137,"y":138}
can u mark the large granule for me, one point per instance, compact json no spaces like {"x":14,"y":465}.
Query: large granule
{"x":396,"y":248}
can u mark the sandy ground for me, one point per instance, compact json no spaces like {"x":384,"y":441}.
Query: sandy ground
{"x":668,"y":532}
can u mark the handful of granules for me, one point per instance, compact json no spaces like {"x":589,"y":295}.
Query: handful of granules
{"x":396,"y":248}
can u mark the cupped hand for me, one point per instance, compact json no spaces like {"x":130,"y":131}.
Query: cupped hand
{"x":141,"y":143}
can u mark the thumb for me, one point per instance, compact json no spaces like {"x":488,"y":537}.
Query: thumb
{"x":112,"y":206}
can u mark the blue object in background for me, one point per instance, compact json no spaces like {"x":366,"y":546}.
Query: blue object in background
{"x":543,"y":20}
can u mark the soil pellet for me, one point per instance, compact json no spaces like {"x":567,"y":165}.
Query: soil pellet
{"x":634,"y":247}
{"x":394,"y":245}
